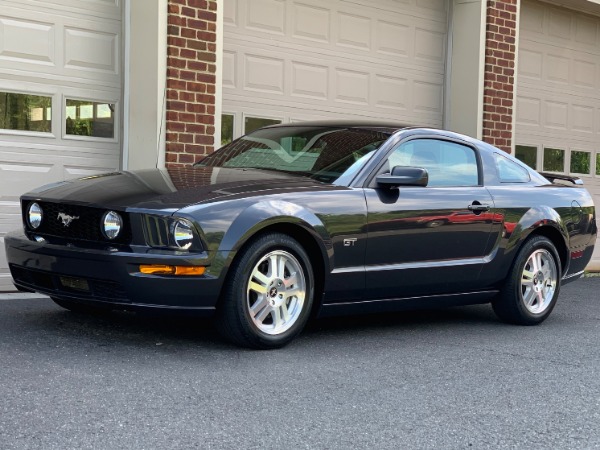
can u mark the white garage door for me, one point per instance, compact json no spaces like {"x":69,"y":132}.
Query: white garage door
{"x":558,"y":95}
{"x":60,"y":97}
{"x":292,"y":60}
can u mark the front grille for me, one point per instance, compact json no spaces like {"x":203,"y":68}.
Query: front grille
{"x":85,"y":227}
{"x":50,"y":283}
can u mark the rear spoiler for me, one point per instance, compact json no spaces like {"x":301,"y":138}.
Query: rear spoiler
{"x":558,"y":176}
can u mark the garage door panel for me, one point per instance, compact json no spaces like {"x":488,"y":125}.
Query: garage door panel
{"x":344,"y":27}
{"x":27,"y":41}
{"x":110,"y":9}
{"x":328,"y":82}
{"x":60,"y":46}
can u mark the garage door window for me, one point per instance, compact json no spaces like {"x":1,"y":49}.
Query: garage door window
{"x":227,"y":122}
{"x":580,"y":162}
{"x":254,"y":123}
{"x":25,"y":112}
{"x":554,"y":160}
{"x":527,"y":154}
{"x":89,"y":118}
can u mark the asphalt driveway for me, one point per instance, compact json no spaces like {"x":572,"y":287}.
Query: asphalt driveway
{"x":453,"y":378}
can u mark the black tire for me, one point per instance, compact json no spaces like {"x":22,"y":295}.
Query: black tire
{"x":237,"y":323}
{"x":79,"y":307}
{"x":512,"y":305}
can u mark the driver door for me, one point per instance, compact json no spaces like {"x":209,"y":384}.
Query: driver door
{"x":433,"y":239}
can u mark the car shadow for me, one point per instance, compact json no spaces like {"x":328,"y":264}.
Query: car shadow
{"x":142,"y":330}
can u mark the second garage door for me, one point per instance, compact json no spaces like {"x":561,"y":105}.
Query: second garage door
{"x":287,"y":61}
{"x":558,"y":102}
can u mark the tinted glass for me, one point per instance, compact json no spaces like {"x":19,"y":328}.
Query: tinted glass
{"x":580,"y":162}
{"x":24,"y":112}
{"x":554,"y":160}
{"x":88,"y":118}
{"x":527,"y":154}
{"x":447,"y":163}
{"x":322,"y":153}
{"x":509,"y":171}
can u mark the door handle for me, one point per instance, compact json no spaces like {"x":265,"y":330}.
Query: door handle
{"x":478,"y":207}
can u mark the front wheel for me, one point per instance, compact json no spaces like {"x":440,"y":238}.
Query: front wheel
{"x":268,"y":295}
{"x":532,"y":287}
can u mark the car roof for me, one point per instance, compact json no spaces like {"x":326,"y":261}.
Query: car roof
{"x":386,"y":127}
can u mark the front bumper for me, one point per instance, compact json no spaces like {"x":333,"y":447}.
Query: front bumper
{"x":110,"y":276}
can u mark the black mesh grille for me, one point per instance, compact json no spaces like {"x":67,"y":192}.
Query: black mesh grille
{"x":85,"y":225}
{"x":51,"y":284}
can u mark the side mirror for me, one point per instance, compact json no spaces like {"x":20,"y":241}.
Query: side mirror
{"x":404,"y":176}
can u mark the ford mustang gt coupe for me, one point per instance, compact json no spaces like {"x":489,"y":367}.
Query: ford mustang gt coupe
{"x":310,"y":219}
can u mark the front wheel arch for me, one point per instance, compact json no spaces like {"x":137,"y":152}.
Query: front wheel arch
{"x":308,"y":241}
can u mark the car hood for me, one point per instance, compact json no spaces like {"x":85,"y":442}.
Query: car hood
{"x":172,"y":188}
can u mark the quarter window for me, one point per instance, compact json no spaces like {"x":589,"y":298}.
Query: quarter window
{"x":447,"y":163}
{"x":509,"y":171}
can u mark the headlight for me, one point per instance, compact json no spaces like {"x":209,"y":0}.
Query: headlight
{"x":183,"y":233}
{"x":111,"y":224}
{"x":34,"y":216}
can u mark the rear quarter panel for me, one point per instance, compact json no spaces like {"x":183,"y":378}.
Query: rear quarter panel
{"x":566,"y":213}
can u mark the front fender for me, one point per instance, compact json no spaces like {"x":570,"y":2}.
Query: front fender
{"x":258,"y":216}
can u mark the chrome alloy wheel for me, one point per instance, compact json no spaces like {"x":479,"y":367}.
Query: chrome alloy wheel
{"x":538,"y":281}
{"x":276,"y":292}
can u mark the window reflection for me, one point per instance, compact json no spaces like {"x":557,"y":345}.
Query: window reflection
{"x":580,"y":162}
{"x":88,"y":118}
{"x":226,"y":128}
{"x":25,"y":112}
{"x":554,"y":159}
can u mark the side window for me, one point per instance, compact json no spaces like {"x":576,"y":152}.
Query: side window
{"x":447,"y":163}
{"x":509,"y":171}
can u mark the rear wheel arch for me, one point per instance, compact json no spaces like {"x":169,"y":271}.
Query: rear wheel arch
{"x":557,"y":239}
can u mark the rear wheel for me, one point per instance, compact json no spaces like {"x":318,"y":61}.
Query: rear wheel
{"x":79,"y":307}
{"x":533,"y":285}
{"x":268,"y":295}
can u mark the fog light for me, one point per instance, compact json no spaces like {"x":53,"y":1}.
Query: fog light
{"x":158,"y":269}
{"x":111,"y":224}
{"x":34,"y":216}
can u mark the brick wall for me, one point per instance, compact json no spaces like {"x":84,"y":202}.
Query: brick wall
{"x":499,"y":78}
{"x":191,"y":67}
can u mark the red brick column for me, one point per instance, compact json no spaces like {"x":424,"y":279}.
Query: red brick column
{"x":191,"y":67}
{"x":499,"y":76}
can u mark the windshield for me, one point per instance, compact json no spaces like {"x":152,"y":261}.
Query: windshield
{"x":322,"y":153}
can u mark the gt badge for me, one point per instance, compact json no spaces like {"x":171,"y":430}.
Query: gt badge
{"x":66,"y":219}
{"x":349,"y":242}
